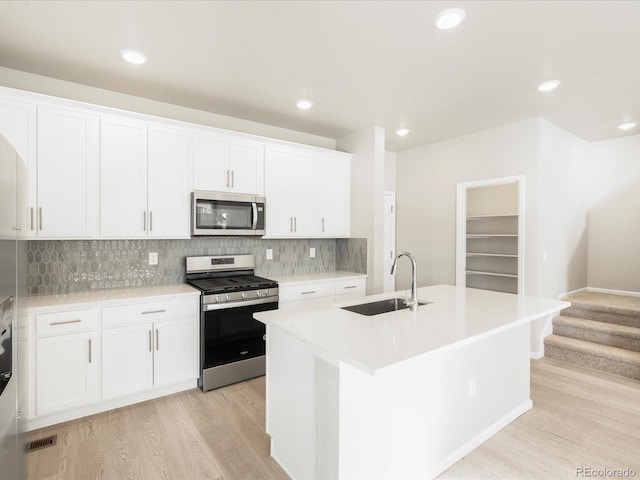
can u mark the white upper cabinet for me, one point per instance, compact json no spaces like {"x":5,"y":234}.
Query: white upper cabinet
{"x":18,"y":126}
{"x":291,"y":190}
{"x":123,"y":178}
{"x":307,"y":193}
{"x":334,"y":194}
{"x":246,"y":166}
{"x":210,"y":162}
{"x":144,"y":190}
{"x":227,"y":164}
{"x":67,"y":161}
{"x":168,"y":182}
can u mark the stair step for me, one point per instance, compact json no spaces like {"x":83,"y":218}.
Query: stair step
{"x":594,"y":355}
{"x":605,"y":307}
{"x":614,"y":335}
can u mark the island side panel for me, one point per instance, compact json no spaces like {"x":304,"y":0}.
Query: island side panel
{"x":291,"y":403}
{"x":417,"y":418}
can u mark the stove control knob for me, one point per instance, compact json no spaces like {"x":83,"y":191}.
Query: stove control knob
{"x":217,"y":299}
{"x":266,"y":292}
{"x":227,"y":299}
{"x":243,"y":295}
{"x":258,"y":293}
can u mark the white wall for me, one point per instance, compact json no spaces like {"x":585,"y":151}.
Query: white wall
{"x":367,"y":197}
{"x":562,"y":214}
{"x":426,"y":195}
{"x":554,"y":164}
{"x":389,"y":171}
{"x":108,"y":98}
{"x":614,"y":214}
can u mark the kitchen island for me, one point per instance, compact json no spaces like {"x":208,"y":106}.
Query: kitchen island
{"x":400,"y":394}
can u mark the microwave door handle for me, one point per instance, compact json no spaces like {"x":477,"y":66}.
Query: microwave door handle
{"x":254,"y":207}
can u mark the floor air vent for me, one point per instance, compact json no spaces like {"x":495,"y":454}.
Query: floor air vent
{"x":42,"y":443}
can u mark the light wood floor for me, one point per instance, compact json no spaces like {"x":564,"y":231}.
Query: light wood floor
{"x":581,"y":419}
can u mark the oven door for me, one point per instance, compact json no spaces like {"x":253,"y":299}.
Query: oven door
{"x":232,"y":334}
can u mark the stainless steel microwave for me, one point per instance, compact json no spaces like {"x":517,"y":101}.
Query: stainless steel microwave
{"x":219,"y":213}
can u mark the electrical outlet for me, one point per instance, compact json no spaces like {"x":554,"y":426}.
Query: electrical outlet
{"x":312,"y":252}
{"x":153,"y":258}
{"x":269,"y":254}
{"x":473,"y":384}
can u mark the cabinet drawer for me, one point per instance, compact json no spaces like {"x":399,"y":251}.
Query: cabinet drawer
{"x":149,"y":312}
{"x":307,"y":291}
{"x":351,"y":287}
{"x":66,"y":322}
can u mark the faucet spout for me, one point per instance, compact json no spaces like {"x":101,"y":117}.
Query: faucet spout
{"x":413,"y":303}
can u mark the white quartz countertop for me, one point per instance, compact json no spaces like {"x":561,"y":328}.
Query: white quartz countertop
{"x":315,"y":277}
{"x":457,"y":317}
{"x":105,"y":297}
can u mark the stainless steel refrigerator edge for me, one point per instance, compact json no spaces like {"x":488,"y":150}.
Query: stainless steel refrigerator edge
{"x":12,"y":289}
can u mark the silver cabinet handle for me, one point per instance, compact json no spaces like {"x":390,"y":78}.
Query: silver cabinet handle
{"x":323,"y":225}
{"x":66,"y":322}
{"x":232,"y":179}
{"x":40,"y":218}
{"x":148,"y":312}
{"x":89,"y":350}
{"x":144,"y":220}
{"x":150,"y":341}
{"x":295,"y":224}
{"x":291,"y":224}
{"x":228,"y":179}
{"x":309,"y":292}
{"x":32,"y":219}
{"x":350,"y":286}
{"x":151,"y":221}
{"x":157,"y":340}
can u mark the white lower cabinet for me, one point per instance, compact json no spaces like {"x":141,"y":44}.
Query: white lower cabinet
{"x":87,"y":361}
{"x":337,"y":289}
{"x":67,"y":360}
{"x":128,"y":360}
{"x":140,"y":357}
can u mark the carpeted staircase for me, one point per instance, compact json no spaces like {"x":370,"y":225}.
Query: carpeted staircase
{"x":600,"y":331}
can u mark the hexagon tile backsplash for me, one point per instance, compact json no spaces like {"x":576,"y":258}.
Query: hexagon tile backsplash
{"x":69,"y":266}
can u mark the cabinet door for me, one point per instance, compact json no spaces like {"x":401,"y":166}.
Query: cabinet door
{"x":123,"y":178}
{"x":246,"y":164}
{"x":18,"y":126}
{"x":66,"y":371}
{"x":127,"y":359}
{"x":168,"y":183}
{"x":278,"y":218}
{"x":67,"y":183}
{"x":333,"y":196}
{"x":304,"y":195}
{"x":211,"y":163}
{"x":176,"y":351}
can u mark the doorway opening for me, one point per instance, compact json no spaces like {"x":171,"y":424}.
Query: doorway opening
{"x":490,"y":234}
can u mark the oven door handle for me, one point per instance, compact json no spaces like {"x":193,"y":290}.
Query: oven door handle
{"x":254,"y":207}
{"x":223,"y":306}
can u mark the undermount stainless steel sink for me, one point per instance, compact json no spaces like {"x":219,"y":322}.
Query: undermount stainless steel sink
{"x":380,"y":306}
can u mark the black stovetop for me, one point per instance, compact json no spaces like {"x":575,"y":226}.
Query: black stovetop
{"x":231,"y":284}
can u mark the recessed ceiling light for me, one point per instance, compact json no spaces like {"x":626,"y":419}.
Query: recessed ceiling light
{"x":304,"y":104}
{"x":402,"y":132}
{"x":627,"y":125}
{"x":134,"y":57}
{"x":549,"y":85}
{"x":452,"y":17}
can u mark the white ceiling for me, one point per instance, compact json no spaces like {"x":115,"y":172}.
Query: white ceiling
{"x":363,"y":63}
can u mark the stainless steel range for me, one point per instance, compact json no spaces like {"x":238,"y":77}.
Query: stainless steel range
{"x":232,"y":342}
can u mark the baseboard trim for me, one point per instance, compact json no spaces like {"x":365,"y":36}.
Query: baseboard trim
{"x":483,"y":436}
{"x":613,"y":292}
{"x":562,"y":296}
{"x":536,"y":355}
